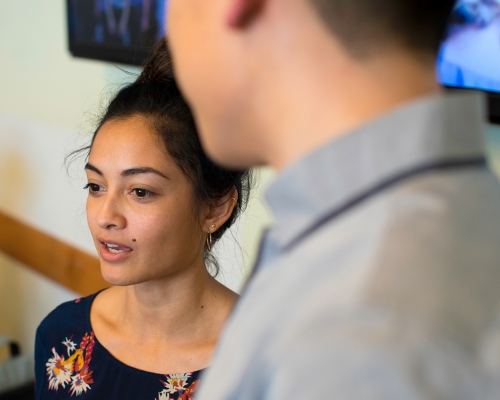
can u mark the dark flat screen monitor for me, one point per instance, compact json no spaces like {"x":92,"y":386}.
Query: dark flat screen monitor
{"x":121,"y":31}
{"x":470,"y":55}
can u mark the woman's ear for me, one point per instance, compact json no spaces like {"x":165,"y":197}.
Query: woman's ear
{"x":219,"y":213}
{"x":244,"y":12}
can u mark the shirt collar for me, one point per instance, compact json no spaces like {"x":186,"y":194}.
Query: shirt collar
{"x":426,"y":131}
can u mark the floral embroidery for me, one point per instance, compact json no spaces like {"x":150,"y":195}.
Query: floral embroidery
{"x":71,"y":346}
{"x":73,"y":371}
{"x":175,"y":385}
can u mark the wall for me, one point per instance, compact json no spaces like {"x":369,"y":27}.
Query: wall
{"x":493,"y":139}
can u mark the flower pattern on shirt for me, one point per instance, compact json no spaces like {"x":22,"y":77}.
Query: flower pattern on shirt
{"x":73,"y":371}
{"x":71,"y":363}
{"x":177,"y":387}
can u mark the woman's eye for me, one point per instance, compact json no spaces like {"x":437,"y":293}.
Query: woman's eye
{"x":92,"y":188}
{"x":142,"y":193}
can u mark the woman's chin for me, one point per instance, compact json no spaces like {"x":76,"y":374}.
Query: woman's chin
{"x":120,"y":275}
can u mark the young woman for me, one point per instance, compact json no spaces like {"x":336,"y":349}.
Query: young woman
{"x":155,"y":208}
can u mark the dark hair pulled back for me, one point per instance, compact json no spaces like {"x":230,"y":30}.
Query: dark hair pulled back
{"x":156,"y":96}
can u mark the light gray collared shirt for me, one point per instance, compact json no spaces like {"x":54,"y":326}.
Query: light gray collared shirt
{"x":381,"y":276}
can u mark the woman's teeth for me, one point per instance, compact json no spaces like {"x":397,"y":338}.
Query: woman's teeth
{"x":114,"y":248}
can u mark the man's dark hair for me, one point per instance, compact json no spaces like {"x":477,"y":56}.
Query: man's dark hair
{"x":367,"y":26}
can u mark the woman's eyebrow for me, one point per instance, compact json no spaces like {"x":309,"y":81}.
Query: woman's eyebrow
{"x":128,"y":172}
{"x":90,"y":167}
{"x":142,"y":170}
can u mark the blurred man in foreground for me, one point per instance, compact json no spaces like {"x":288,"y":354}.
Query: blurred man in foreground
{"x":379,"y":279}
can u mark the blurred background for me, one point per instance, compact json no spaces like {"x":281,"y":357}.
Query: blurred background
{"x":48,"y":102}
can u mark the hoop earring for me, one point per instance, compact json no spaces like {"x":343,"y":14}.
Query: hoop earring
{"x":209,"y":242}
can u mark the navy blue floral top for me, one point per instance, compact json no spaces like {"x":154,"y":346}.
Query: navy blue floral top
{"x":70,"y":362}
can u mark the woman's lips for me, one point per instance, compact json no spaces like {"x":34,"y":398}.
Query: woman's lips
{"x":114,"y":252}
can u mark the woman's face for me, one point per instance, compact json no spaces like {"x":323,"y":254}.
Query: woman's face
{"x":140,"y":207}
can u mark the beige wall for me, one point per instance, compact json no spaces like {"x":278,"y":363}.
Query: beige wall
{"x":493,"y":138}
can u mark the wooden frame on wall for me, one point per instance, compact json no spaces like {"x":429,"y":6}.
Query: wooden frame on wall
{"x":59,"y":261}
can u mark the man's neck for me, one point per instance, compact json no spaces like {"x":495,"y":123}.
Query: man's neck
{"x":315,"y":92}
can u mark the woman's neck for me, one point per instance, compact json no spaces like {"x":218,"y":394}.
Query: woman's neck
{"x":178,"y":308}
{"x":170,"y":324}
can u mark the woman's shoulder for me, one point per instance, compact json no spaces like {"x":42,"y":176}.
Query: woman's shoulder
{"x":70,"y":316}
{"x":63,"y":350}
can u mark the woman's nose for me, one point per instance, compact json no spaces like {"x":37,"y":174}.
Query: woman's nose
{"x":110,"y":214}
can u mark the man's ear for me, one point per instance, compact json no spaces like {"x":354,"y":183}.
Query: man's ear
{"x":219,"y":213}
{"x":244,"y":12}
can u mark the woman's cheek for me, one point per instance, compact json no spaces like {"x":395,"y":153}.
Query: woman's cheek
{"x":151,"y":229}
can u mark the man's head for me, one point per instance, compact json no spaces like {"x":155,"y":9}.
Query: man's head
{"x":250,"y":68}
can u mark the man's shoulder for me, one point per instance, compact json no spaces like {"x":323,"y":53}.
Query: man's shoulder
{"x":426,"y":248}
{"x":445,"y":204}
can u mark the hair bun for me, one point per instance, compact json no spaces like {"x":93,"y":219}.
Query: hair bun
{"x":158,"y":68}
